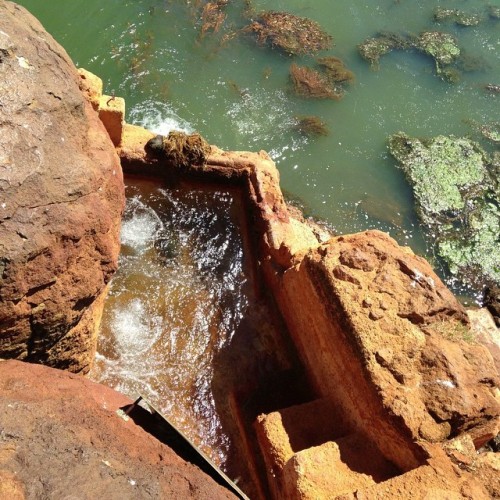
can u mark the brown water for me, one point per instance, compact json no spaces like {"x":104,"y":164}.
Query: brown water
{"x":175,"y":303}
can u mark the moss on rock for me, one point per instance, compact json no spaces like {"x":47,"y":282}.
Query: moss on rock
{"x":457,"y":16}
{"x":442,"y":47}
{"x":374,"y":48}
{"x":458,"y":198}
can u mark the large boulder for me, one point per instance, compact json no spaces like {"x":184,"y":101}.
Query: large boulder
{"x":61,"y":200}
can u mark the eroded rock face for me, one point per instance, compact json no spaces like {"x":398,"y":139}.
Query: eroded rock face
{"x":61,"y":437}
{"x":383,"y":329}
{"x":61,"y":199}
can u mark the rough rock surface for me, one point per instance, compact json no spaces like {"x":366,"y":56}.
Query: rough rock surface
{"x":61,"y":438}
{"x":379,"y":316}
{"x":61,"y":199}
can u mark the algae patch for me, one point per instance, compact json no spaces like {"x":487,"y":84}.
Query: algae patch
{"x":457,"y":196}
{"x":292,"y":34}
{"x":180,"y":148}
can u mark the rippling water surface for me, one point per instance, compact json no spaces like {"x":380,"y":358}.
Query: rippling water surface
{"x":174,"y":304}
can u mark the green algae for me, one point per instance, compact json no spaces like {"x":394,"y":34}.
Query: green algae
{"x":477,"y":251}
{"x":441,"y":46}
{"x":457,"y":196}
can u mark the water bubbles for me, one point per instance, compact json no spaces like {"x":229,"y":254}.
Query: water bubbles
{"x":176,"y":301}
{"x":139,"y":226}
{"x":158,"y":117}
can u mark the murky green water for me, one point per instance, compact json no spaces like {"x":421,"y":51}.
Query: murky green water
{"x":238,"y":95}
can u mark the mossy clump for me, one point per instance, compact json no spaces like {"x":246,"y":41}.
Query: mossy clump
{"x":180,"y":148}
{"x":335,"y":69}
{"x":310,"y":83}
{"x":459,"y":17}
{"x":457,"y":196}
{"x":372,"y":49}
{"x":441,"y":46}
{"x":289,"y":33}
{"x":311,"y":126}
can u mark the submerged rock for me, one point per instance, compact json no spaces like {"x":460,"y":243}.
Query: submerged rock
{"x":442,"y":47}
{"x":290,"y":33}
{"x":494,"y":12}
{"x":374,"y":48}
{"x":457,"y":197}
{"x":491,"y":131}
{"x":459,"y":17}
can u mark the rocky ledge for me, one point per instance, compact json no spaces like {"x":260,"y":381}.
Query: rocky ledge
{"x":62,"y":438}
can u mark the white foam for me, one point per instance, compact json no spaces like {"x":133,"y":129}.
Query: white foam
{"x":159,"y":118}
{"x":133,"y":331}
{"x":140,"y":225}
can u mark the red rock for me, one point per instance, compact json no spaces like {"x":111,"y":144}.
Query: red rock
{"x":61,"y":192}
{"x":61,"y":436}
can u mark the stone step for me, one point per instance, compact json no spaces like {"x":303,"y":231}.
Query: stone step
{"x":335,"y":468}
{"x":309,"y":453}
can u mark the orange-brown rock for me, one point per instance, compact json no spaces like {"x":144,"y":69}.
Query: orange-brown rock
{"x":61,"y":438}
{"x":61,"y":199}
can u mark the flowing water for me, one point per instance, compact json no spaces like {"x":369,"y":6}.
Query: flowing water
{"x":176,"y":301}
{"x":180,"y":292}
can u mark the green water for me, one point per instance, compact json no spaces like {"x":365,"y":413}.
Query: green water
{"x":238,"y":95}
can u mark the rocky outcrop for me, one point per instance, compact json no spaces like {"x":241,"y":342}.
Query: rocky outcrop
{"x":61,"y":199}
{"x":404,"y":396}
{"x":61,"y":437}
